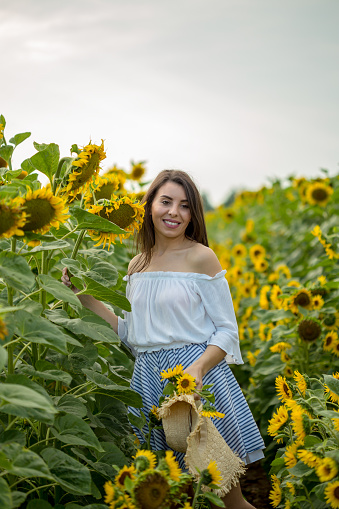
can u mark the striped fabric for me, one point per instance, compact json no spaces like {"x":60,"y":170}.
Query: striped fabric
{"x":238,"y":427}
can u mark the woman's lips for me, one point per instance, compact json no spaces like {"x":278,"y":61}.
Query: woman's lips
{"x":171,"y":224}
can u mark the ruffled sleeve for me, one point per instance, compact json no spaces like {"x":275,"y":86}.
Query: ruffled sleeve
{"x":217,"y":301}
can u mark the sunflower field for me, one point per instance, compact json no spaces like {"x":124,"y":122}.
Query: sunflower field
{"x":64,"y":424}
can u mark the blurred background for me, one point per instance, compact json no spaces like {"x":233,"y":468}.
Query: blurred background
{"x":236,"y":92}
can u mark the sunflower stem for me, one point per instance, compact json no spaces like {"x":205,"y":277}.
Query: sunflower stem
{"x":197,"y":493}
{"x":10,"y":293}
{"x":44,"y":270}
{"x":77,"y":244}
{"x":57,"y":173}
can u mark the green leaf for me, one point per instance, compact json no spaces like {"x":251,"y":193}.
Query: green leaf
{"x":49,"y":246}
{"x":88,"y":221}
{"x":24,"y":396}
{"x":73,"y":477}
{"x":120,"y":392}
{"x":48,"y":374}
{"x":38,"y":504}
{"x":169,"y":389}
{"x":332,"y":383}
{"x":6,"y":152}
{"x":25,"y":463}
{"x":138,"y":422}
{"x":100,"y":292}
{"x":19,"y":138}
{"x":71,"y":429}
{"x":16,"y":272}
{"x":58,"y":289}
{"x":300,"y":469}
{"x":27,"y":166}
{"x":18,"y":498}
{"x":71,"y":405}
{"x":2,"y":120}
{"x":3,"y":357}
{"x":212,"y":497}
{"x":84,"y":327}
{"x":47,"y":159}
{"x":5,"y":495}
{"x":10,"y":436}
{"x":40,"y":330}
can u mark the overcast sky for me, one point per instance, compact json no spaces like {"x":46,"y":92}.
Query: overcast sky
{"x":232,"y":91}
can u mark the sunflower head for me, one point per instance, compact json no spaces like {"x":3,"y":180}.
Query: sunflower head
{"x":144,"y":460}
{"x":283,"y":388}
{"x":332,"y":494}
{"x":43,"y":210}
{"x":85,"y":169}
{"x":256,"y":252}
{"x":186,"y":384}
{"x":172,"y":373}
{"x":121,"y":476}
{"x":330,"y":341}
{"x":327,"y":468}
{"x":211,"y":474}
{"x":123,"y":212}
{"x":12,"y":217}
{"x":170,"y":466}
{"x":154,"y":416}
{"x":106,"y":186}
{"x":309,"y":329}
{"x":302,"y":298}
{"x":318,"y":193}
{"x":138,"y":171}
{"x":151,"y":490}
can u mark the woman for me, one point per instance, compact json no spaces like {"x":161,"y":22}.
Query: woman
{"x":182,"y":313}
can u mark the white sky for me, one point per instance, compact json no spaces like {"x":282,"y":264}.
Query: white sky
{"x":232,"y":91}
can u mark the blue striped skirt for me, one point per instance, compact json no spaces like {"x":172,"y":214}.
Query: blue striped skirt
{"x":238,"y":427}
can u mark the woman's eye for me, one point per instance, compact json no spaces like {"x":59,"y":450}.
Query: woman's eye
{"x":164,"y":202}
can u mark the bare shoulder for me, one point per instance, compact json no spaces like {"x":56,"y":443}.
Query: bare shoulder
{"x":204,"y":260}
{"x":134,"y":262}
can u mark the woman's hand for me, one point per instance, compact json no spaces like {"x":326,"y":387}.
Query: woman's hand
{"x":66,"y":281}
{"x":195,"y":371}
{"x":210,"y":358}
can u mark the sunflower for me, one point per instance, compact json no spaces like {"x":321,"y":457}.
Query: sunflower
{"x":261,"y":265}
{"x":331,"y":322}
{"x":86,"y":169}
{"x":275,"y":493}
{"x":301,"y":382}
{"x":283,"y":269}
{"x":44,"y":210}
{"x":211,"y":474}
{"x":291,"y":455}
{"x":144,"y":460}
{"x":309,"y":329}
{"x":301,"y":298}
{"x":263,"y":301}
{"x":125,"y":472}
{"x":288,"y":372}
{"x":228,"y":214}
{"x":3,"y":329}
{"x":318,"y":193}
{"x":299,"y":418}
{"x":307,"y":457}
{"x":278,"y":420}
{"x":280,"y":347}
{"x":290,"y":487}
{"x":119,"y":173}
{"x":12,"y":217}
{"x":106,"y":186}
{"x":209,"y":411}
{"x":335,"y":421}
{"x":2,"y":127}
{"x":256,"y":252}
{"x":274,"y":296}
{"x":332,"y":494}
{"x":284,"y":357}
{"x":317,"y":302}
{"x":326,"y":469}
{"x":170,"y":465}
{"x":333,"y":396}
{"x":251,"y":358}
{"x":330,"y":340}
{"x":322,"y":280}
{"x":151,"y":490}
{"x":239,"y":251}
{"x":171,"y":373}
{"x":122,"y":212}
{"x":138,"y":171}
{"x":186,"y":384}
{"x":282,"y":388}
{"x":110,"y":491}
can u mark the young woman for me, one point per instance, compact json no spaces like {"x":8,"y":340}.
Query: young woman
{"x":182,"y":313}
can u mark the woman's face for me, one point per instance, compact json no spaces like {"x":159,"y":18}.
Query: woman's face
{"x":170,"y":211}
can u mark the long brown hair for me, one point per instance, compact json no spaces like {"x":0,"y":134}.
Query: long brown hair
{"x":196,"y":229}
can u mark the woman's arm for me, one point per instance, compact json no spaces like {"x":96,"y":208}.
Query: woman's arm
{"x":92,"y":303}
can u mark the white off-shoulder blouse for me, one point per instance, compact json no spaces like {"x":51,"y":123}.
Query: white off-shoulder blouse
{"x":173,"y":309}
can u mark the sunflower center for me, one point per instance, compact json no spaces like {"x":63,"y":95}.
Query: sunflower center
{"x":302,"y":299}
{"x":319,"y":194}
{"x":185,"y":383}
{"x":328,"y":340}
{"x":309,"y":330}
{"x":40,"y":213}
{"x":7,"y":220}
{"x":336,"y":493}
{"x":123,"y":477}
{"x":122,"y":217}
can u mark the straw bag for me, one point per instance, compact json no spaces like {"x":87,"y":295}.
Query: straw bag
{"x":188,"y":431}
